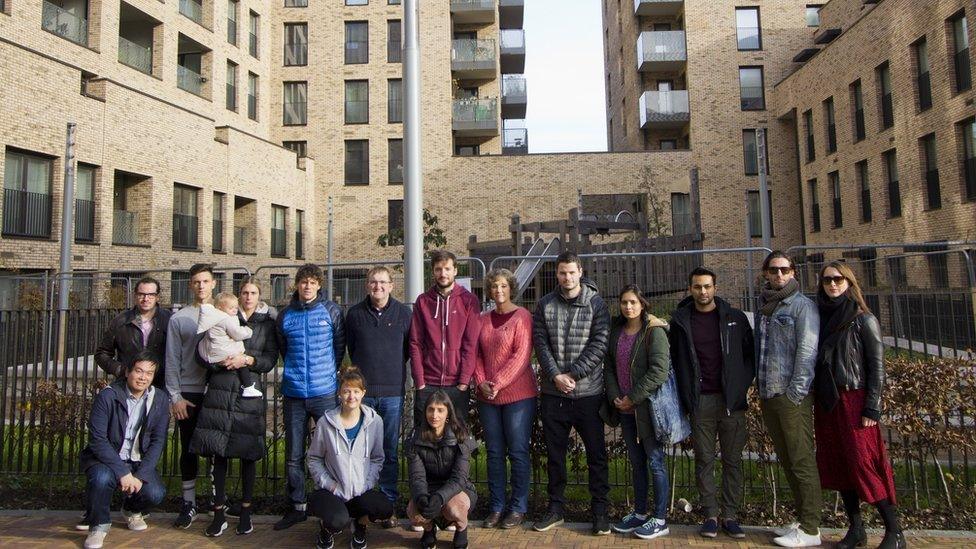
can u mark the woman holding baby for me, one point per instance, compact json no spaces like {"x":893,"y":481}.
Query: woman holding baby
{"x":232,"y":421}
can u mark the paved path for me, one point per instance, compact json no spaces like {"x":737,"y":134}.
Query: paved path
{"x":56,"y":529}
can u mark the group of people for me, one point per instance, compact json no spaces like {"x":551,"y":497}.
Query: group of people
{"x":817,"y":365}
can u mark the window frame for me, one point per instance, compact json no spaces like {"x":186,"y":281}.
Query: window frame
{"x":762,"y":88}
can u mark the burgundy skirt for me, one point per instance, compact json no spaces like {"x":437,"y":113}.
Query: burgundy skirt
{"x":849,"y":456}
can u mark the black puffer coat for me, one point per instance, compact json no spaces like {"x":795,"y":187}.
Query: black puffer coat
{"x":440,"y":467}
{"x":228,"y":425}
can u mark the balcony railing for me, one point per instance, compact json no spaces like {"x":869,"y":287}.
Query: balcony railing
{"x":815,"y":218}
{"x":831,"y":138}
{"x":811,"y":148}
{"x":193,"y":9}
{"x":299,"y":245}
{"x":279,"y":242}
{"x":218,"y":235}
{"x":84,"y":220}
{"x":894,"y":199}
{"x":26,"y":213}
{"x":252,"y":44}
{"x":184,"y":231}
{"x":661,"y":50}
{"x":859,"y":131}
{"x":242,"y":244}
{"x":252,"y":107}
{"x":515,"y":141}
{"x":514,"y":96}
{"x":231,"y":98}
{"x":134,"y":55}
{"x":838,"y":212}
{"x":866,"y":205}
{"x":924,"y":91}
{"x":964,"y":75}
{"x":64,"y":23}
{"x":125,"y":227}
{"x":296,"y":54}
{"x":664,"y":108}
{"x":887,"y":111}
{"x":933,"y":190}
{"x":476,"y":58}
{"x":752,"y":98}
{"x":189,"y":80}
{"x":476,"y":116}
{"x":512,"y":39}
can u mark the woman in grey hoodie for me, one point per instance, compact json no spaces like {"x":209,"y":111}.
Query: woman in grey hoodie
{"x":344,"y":460}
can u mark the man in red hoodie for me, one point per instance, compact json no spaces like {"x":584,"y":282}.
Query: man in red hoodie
{"x":444,"y":338}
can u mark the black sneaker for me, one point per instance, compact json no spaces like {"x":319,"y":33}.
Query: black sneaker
{"x":461,"y":539}
{"x":218,"y":525}
{"x":244,"y":525}
{"x":548,"y":520}
{"x":358,"y":539}
{"x":601,"y":525}
{"x":326,"y":539}
{"x":429,"y":539}
{"x":188,"y":513}
{"x":291,"y":518}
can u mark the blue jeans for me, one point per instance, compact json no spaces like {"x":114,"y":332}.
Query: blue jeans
{"x":390,"y":408}
{"x":102,"y":485}
{"x":508,"y":428}
{"x":643,"y":454}
{"x":297,"y":412}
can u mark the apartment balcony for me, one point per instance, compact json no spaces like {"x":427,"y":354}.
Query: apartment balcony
{"x":661,"y":51}
{"x":515,"y":141}
{"x":26,"y":213}
{"x":473,"y":12}
{"x":474,"y":59}
{"x":475,"y":117}
{"x":69,"y":22}
{"x":125,"y":227}
{"x":137,"y":56}
{"x":189,"y":80}
{"x":511,"y":13}
{"x":514,"y":96}
{"x":512,"y":51}
{"x":664,"y":109}
{"x":653,"y":8}
{"x":192,"y":9}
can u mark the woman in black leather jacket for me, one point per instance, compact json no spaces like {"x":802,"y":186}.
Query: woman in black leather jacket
{"x":851,"y":454}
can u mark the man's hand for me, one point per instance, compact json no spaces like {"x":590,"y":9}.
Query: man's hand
{"x":564,"y":383}
{"x":462,"y":387}
{"x":180,"y":410}
{"x":235,"y":362}
{"x":624,"y":404}
{"x":868,"y":422}
{"x":488,"y":390}
{"x":130,"y":484}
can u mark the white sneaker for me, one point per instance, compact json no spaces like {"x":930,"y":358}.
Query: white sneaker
{"x":136,"y":522}
{"x":415,"y":528}
{"x":784,"y":530}
{"x":798,"y":538}
{"x":251,"y":392}
{"x":95,"y":539}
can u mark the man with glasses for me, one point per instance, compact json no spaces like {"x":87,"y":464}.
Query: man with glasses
{"x":141,"y":328}
{"x":787,"y":332}
{"x":378,"y":341}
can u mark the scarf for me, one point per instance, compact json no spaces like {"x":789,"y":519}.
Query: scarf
{"x":836,"y":314}
{"x":770,"y":298}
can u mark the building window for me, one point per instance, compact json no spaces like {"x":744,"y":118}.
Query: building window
{"x":924,"y":79}
{"x":231,"y":99}
{"x":751,"y":92}
{"x":830,"y":121}
{"x":894,"y":191}
{"x":395,"y":162}
{"x":930,"y":165}
{"x":750,"y":153}
{"x":184,"y":217}
{"x":296,"y":3}
{"x":394,"y":41}
{"x":296,"y":44}
{"x":180,"y":287}
{"x":884,"y":87}
{"x":681,"y":214}
{"x":85,"y":203}
{"x":295,"y":105}
{"x":279,"y":235}
{"x":357,"y":2}
{"x":960,"y":52}
{"x":394,"y":100}
{"x":357,"y":102}
{"x":755,"y":214}
{"x":357,"y":162}
{"x":300,"y":147}
{"x":664,"y":144}
{"x":26,"y":195}
{"x":232,"y":22}
{"x":857,"y":101}
{"x":814,"y":206}
{"x":299,"y":234}
{"x":255,"y":29}
{"x":218,"y":222}
{"x":864,"y":185}
{"x":252,"y":96}
{"x":811,"y":145}
{"x":467,"y":150}
{"x":747,"y":29}
{"x":279,"y":289}
{"x":835,"y":199}
{"x":969,"y":157}
{"x":394,"y":217}
{"x":393,"y":2}
{"x":357,"y":42}
{"x":813,"y":15}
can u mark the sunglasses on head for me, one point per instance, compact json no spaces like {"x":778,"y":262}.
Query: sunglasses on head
{"x":828,"y":280}
{"x":781,"y":270}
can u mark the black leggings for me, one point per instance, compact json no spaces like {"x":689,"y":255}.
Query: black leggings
{"x":336,"y":514}
{"x":219,"y":479}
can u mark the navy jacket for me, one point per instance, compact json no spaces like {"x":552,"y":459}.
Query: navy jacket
{"x":106,"y":432}
{"x":379,"y":345}
{"x":312,"y":342}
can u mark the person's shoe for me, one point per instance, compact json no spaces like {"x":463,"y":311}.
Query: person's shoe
{"x":855,"y":537}
{"x":188,"y":513}
{"x":492,"y":520}
{"x":629,"y":523}
{"x":601,"y":525}
{"x":135,"y":521}
{"x":732,"y":528}
{"x":450,"y":527}
{"x":290,"y":518}
{"x":391,"y":522}
{"x":709,"y":528}
{"x":358,"y":539}
{"x":233,"y":509}
{"x":244,"y":525}
{"x":512,"y":520}
{"x":217,"y":526}
{"x":652,"y":529}
{"x":893,"y":540}
{"x":798,"y":538}
{"x":429,"y":539}
{"x":251,"y":392}
{"x":785,"y":530}
{"x":95,"y":539}
{"x":461,"y":539}
{"x":326,"y":540}
{"x":415,"y":527}
{"x":548,"y":521}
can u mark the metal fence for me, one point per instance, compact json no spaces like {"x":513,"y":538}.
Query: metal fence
{"x":924,"y":298}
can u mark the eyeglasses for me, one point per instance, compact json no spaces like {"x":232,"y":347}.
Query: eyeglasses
{"x":141,"y":295}
{"x":836,"y":280}
{"x":781,"y":270}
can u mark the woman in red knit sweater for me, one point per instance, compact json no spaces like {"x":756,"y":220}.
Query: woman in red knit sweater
{"x":506,"y":393}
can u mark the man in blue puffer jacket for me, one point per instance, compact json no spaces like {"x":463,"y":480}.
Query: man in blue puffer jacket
{"x":312,"y":341}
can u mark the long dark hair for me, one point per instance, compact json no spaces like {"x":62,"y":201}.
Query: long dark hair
{"x":455,"y":423}
{"x":619,"y":320}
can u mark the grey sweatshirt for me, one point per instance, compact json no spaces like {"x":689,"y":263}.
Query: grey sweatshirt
{"x":183,"y":374}
{"x":346,"y":471}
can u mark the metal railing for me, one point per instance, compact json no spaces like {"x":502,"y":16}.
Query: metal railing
{"x":515,"y":141}
{"x":26,"y":213}
{"x":185,"y":231}
{"x":513,"y":85}
{"x":299,"y":245}
{"x":512,"y":39}
{"x":242,"y":242}
{"x":473,"y":50}
{"x":279,"y":242}
{"x":660,"y":47}
{"x":135,"y":55}
{"x":125,"y":227}
{"x":189,"y":80}
{"x":64,"y":23}
{"x":84,"y":220}
{"x":218,"y":235}
{"x":475,"y":110}
{"x":752,"y":98}
{"x":664,"y":107}
{"x":192,"y":9}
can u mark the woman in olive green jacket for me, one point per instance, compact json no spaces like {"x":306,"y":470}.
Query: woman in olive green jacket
{"x":636,"y":365}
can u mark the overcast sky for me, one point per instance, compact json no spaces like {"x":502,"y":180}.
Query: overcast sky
{"x":564,"y":75}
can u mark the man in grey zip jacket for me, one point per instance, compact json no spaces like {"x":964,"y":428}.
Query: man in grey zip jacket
{"x":570,"y":332}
